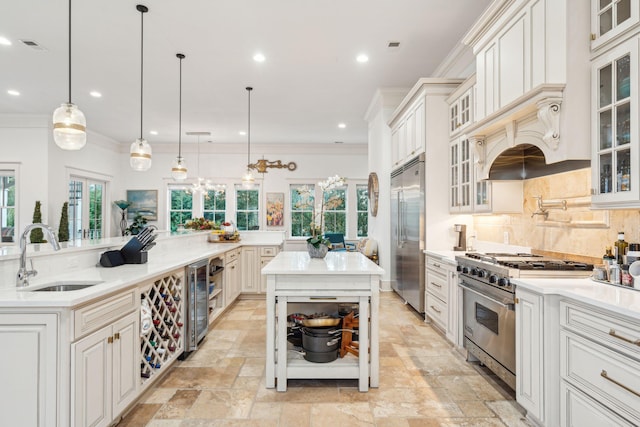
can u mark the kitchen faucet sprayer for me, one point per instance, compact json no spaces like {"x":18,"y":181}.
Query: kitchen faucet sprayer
{"x":22,"y":278}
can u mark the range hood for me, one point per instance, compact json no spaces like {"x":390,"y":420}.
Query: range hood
{"x":526,"y":161}
{"x":523,"y":139}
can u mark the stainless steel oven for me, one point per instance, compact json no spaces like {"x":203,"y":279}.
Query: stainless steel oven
{"x":489,"y":317}
{"x":490,"y":328}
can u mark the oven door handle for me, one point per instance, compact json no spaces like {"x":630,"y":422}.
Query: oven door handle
{"x":500,"y":303}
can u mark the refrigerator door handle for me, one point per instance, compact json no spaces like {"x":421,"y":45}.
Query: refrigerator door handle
{"x":400,"y":219}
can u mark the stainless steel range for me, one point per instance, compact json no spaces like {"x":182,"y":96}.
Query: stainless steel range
{"x":489,"y":303}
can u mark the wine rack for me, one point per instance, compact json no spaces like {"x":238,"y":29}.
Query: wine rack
{"x":164,"y":342}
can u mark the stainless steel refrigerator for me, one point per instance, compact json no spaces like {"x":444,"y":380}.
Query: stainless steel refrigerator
{"x":408,"y":232}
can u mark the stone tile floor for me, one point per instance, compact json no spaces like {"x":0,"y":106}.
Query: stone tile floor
{"x":423,"y":382}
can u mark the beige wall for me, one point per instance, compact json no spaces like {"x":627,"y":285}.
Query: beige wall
{"x":578,"y":230}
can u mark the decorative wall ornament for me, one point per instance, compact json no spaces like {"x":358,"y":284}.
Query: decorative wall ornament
{"x":262,"y":165}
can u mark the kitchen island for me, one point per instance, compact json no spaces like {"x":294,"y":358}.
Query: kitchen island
{"x":294,"y":277}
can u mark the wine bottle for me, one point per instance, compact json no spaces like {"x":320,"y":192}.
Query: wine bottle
{"x":620,"y":248}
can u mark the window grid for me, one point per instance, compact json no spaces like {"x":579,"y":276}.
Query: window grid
{"x":181,"y":207}
{"x":214,"y":205}
{"x":7,"y":205}
{"x":362,"y":209}
{"x":247,"y":208}
{"x":335,"y":211}
{"x":302,"y":200}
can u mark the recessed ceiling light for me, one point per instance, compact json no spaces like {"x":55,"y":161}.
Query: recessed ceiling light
{"x":153,"y":132}
{"x":13,"y":92}
{"x":95,"y":94}
{"x":5,"y":41}
{"x":362,"y":58}
{"x":342,"y":125}
{"x":243,"y":133}
{"x":258,"y":57}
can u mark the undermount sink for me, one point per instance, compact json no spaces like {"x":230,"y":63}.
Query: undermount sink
{"x":67,"y":285}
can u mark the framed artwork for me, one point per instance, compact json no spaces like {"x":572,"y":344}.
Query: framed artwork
{"x":275,"y":209}
{"x":143,"y":202}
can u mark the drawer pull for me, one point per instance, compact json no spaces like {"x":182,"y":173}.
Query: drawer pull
{"x":613,"y":333}
{"x":323,"y":298}
{"x":436,"y":310}
{"x":435,"y":284}
{"x":604,"y":375}
{"x":436,"y":265}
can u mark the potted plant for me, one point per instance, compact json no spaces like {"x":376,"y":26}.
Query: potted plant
{"x":139,"y":223}
{"x":317,"y":245}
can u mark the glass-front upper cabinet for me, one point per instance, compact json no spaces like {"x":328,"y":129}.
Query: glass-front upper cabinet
{"x":461,"y":112}
{"x":460,"y":176}
{"x":611,"y":18}
{"x":615,"y":127}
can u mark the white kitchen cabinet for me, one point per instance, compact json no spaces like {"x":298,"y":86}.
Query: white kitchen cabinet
{"x":580,"y":410}
{"x":599,"y":355}
{"x":462,"y":106}
{"x":232,"y":276}
{"x":253,"y":259}
{"x":29,"y":369}
{"x":105,"y":374}
{"x":612,"y":20}
{"x":441,"y":297}
{"x":530,"y":352}
{"x":461,"y":180}
{"x":615,"y":145}
{"x":250,"y":260}
{"x":418,"y":118}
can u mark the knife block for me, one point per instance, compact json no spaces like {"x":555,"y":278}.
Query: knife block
{"x":131,"y":253}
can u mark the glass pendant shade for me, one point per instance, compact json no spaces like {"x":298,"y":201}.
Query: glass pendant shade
{"x":69,"y":127}
{"x":179,"y":169}
{"x":248,"y":180}
{"x":140,"y":155}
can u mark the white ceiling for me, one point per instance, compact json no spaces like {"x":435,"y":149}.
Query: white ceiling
{"x":308,"y":84}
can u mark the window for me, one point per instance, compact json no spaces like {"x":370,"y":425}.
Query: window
{"x":247,"y":208}
{"x":335,"y":211}
{"x":214,"y":205}
{"x":8,"y":205}
{"x":362,"y":201}
{"x":86,"y":208}
{"x":180,"y":207}
{"x":302,"y":201}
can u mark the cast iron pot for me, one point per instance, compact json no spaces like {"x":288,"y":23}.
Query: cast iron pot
{"x":294,"y":335}
{"x":320,"y":342}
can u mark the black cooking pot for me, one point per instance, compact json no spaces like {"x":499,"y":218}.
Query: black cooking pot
{"x":321,"y":357}
{"x":320,"y":342}
{"x":294,"y":335}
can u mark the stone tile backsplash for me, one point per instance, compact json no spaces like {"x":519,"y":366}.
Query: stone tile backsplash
{"x":579,"y":230}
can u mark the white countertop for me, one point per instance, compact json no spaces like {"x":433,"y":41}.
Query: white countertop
{"x":352,"y":263}
{"x":161,"y":261}
{"x":613,"y":298}
{"x":445,"y":256}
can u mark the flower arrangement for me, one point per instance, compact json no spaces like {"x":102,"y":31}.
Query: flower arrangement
{"x":201,"y":224}
{"x":317,"y":224}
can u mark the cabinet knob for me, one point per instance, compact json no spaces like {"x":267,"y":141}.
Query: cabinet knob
{"x":110,"y":340}
{"x":593,"y":36}
{"x":116,"y":336}
{"x":517,"y":300}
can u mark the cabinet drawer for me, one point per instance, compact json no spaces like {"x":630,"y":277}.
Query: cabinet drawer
{"x":578,"y":409}
{"x":437,"y":310}
{"x":608,"y":376}
{"x":438,"y":285}
{"x":105,"y":311}
{"x":436,"y":264}
{"x":231,"y":256}
{"x":268,"y":251}
{"x":604,"y":327}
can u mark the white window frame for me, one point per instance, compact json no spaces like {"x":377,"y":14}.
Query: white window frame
{"x":94,"y":177}
{"x":15,"y":168}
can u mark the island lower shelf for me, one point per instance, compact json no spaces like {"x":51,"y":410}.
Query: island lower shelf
{"x":341,"y":368}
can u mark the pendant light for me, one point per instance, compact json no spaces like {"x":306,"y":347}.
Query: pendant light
{"x":179,"y":168}
{"x":248,"y":179}
{"x":69,"y":124}
{"x":140,"y":151}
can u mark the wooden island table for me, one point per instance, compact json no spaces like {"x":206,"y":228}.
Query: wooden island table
{"x":294,"y":277}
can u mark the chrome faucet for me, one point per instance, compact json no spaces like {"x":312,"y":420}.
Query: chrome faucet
{"x":22,"y":278}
